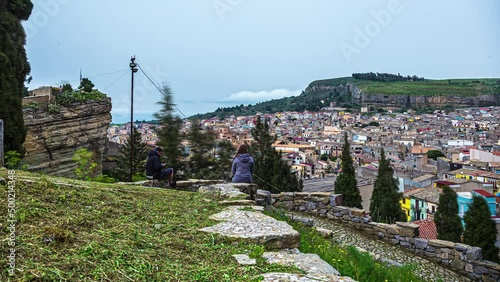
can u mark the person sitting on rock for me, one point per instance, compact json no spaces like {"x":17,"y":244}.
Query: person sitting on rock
{"x":156,"y":170}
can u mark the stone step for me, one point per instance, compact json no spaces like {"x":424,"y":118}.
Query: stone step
{"x":237,"y":203}
{"x":247,"y":223}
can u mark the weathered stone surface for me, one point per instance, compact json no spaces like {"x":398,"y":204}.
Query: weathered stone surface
{"x":474,"y":253}
{"x":53,"y":139}
{"x":324,"y":232}
{"x":441,"y":243}
{"x":457,"y":264}
{"x":310,"y":263}
{"x":421,"y":243}
{"x":358,"y":212}
{"x":226,"y":190}
{"x":255,"y":227}
{"x":275,"y":277}
{"x":245,"y":260}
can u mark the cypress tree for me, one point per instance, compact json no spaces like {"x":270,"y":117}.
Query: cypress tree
{"x":448,"y":223}
{"x":169,"y":136}
{"x":15,"y":68}
{"x":225,"y":153}
{"x":346,"y":183}
{"x":271,"y":172}
{"x":139,"y":156}
{"x":384,"y":204}
{"x":480,"y":229}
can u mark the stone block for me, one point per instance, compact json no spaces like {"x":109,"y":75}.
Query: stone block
{"x":443,"y":256}
{"x":380,"y":234}
{"x":289,"y":205}
{"x":474,"y":253}
{"x":430,"y":254}
{"x":322,"y":211}
{"x":405,"y":244}
{"x":311,"y":206}
{"x":461,"y":247}
{"x":358,"y":212}
{"x":335,"y":200}
{"x":480,"y":269}
{"x":457,"y":264}
{"x":286,"y":196}
{"x":421,"y":243}
{"x":356,"y":219}
{"x":469,"y":267}
{"x":346,"y":218}
{"x":441,"y":243}
{"x":369,"y":231}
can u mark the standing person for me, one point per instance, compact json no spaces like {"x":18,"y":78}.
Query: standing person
{"x":156,"y":170}
{"x":243,"y":166}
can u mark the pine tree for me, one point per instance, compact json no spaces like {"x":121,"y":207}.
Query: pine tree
{"x":480,"y":229}
{"x":271,"y":172}
{"x":346,"y":183}
{"x":15,"y":68}
{"x":139,"y":156}
{"x":202,"y":158}
{"x":168,"y":132}
{"x":384,"y":204}
{"x":448,"y":223}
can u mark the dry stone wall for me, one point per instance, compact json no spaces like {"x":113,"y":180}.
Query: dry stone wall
{"x":461,"y":258}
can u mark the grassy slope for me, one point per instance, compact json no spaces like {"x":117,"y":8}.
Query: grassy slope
{"x":106,"y":232}
{"x":460,"y":87}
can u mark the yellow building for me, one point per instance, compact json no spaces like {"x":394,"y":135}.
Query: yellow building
{"x":405,"y":206}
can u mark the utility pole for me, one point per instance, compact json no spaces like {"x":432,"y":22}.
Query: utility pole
{"x":134,"y":69}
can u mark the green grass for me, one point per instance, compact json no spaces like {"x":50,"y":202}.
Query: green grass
{"x":88,"y":231}
{"x":347,"y":259}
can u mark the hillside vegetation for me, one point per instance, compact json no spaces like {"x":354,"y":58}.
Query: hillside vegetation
{"x":69,"y":230}
{"x":320,"y":93}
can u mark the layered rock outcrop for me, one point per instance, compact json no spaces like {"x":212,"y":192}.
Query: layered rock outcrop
{"x":350,"y":92}
{"x":53,"y":138}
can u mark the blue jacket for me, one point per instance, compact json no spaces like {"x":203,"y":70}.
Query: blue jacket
{"x":242,"y":168}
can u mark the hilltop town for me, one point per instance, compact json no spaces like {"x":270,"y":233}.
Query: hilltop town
{"x":312,"y":141}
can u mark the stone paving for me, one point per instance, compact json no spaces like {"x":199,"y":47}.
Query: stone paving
{"x":381,"y":250}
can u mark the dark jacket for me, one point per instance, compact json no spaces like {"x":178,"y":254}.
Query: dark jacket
{"x":153,"y":164}
{"x":242,"y":168}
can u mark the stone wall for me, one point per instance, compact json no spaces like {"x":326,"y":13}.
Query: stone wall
{"x":52,"y":139}
{"x":461,"y":258}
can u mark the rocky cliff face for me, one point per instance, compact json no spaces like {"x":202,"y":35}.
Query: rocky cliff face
{"x":53,"y":139}
{"x":351,"y":93}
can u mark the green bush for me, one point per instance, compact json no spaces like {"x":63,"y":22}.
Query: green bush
{"x":67,"y":97}
{"x":54,"y":109}
{"x":32,"y":105}
{"x":13,"y":161}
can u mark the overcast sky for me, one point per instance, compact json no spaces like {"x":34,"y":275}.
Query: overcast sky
{"x":217,"y":53}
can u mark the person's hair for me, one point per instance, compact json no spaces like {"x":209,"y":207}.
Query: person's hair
{"x":242,"y":149}
{"x":158,"y":149}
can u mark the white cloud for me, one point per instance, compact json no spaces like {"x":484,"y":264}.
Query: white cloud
{"x":261,"y":96}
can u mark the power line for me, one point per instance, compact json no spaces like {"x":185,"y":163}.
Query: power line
{"x":124,"y":73}
{"x":159,"y":89}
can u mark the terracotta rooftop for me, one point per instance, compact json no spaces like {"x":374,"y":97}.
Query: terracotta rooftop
{"x":427,"y":229}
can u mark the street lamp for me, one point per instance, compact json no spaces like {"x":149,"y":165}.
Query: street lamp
{"x":134,"y":69}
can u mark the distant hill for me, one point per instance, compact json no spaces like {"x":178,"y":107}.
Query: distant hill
{"x":379,"y":91}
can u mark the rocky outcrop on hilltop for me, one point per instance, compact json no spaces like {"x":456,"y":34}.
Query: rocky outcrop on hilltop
{"x":53,"y":138}
{"x":352,"y":94}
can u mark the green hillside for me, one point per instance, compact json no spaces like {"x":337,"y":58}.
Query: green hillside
{"x":69,"y":230}
{"x":313,"y":98}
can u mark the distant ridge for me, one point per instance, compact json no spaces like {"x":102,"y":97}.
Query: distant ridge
{"x":378,"y":91}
